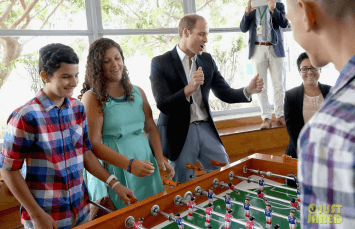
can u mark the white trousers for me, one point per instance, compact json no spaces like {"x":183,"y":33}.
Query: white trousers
{"x":264,"y":58}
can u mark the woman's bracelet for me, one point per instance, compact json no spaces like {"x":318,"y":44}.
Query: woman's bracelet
{"x":117,"y":182}
{"x":130,"y":165}
{"x":110,"y":179}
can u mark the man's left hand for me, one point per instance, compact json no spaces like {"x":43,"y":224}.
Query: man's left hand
{"x":256,"y":85}
{"x":272,"y":5}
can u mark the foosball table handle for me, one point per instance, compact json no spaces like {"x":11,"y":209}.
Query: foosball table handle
{"x":217,"y":163}
{"x":170,"y":182}
{"x":191,"y":166}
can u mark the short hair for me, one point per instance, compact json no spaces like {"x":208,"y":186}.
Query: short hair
{"x":338,"y":9}
{"x":300,"y":58}
{"x":51,"y":56}
{"x":189,"y":22}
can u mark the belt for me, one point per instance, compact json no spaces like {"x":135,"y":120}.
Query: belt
{"x":263,"y":43}
{"x":198,"y":122}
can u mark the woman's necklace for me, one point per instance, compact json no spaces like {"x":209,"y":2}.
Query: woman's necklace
{"x":314,"y":90}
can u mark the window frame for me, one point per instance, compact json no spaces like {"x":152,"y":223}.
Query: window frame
{"x":95,"y":31}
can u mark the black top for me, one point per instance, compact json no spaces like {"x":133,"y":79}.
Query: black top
{"x":293,"y":110}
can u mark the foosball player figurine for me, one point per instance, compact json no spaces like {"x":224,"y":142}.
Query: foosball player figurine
{"x":227,"y":200}
{"x":191,"y":206}
{"x":233,"y":188}
{"x":294,"y":203}
{"x":268,"y":215}
{"x":210,"y":195}
{"x":261,"y":183}
{"x":246,"y":206}
{"x":208,"y":212}
{"x":179,"y":220}
{"x":292,"y":220}
{"x":227,"y":219}
{"x":295,"y":178}
{"x":209,"y":226}
{"x":250,"y":223}
{"x":276,"y":226}
{"x":261,"y":194}
{"x":298,"y":193}
{"x":138,"y":224}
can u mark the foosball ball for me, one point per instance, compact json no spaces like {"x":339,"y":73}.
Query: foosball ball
{"x":251,"y":191}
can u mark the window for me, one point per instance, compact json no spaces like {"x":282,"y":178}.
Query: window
{"x":141,"y":14}
{"x":24,"y":80}
{"x":144,"y":28}
{"x":49,"y":15}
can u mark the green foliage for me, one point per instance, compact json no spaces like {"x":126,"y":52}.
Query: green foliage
{"x":30,"y":63}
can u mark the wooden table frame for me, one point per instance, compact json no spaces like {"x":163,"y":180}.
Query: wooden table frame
{"x":165,"y":200}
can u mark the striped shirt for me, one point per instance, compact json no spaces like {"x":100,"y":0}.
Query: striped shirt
{"x":326,"y":153}
{"x":51,"y":141}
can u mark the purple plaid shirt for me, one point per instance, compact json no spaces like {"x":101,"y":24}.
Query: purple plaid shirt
{"x":326,"y":165}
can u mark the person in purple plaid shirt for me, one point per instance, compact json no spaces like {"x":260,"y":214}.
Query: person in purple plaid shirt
{"x":326,"y":145}
{"x":50,"y":135}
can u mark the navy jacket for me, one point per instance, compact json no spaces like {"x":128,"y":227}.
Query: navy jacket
{"x":293,"y":110}
{"x":168,"y":80}
{"x":248,"y":23}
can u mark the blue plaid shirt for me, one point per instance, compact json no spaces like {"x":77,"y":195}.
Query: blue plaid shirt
{"x":326,"y":165}
{"x":51,"y":141}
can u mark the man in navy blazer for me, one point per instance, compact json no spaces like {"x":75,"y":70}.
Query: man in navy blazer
{"x":266,"y":51}
{"x":181,"y":81}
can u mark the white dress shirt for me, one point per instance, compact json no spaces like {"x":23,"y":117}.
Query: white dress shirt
{"x":197,"y":109}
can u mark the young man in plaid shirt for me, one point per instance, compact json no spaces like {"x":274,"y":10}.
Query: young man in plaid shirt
{"x":326,"y":145}
{"x":50,"y":134}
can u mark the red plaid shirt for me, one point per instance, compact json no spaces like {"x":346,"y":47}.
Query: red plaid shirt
{"x":51,"y":141}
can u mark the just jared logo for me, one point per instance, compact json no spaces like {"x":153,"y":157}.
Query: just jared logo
{"x":325,"y":213}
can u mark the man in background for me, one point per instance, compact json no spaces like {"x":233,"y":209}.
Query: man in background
{"x":266,"y":51}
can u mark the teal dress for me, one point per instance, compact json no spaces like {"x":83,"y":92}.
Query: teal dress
{"x":123,"y":132}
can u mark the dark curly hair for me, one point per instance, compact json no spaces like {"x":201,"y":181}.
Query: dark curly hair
{"x":95,"y":76}
{"x":51,"y":56}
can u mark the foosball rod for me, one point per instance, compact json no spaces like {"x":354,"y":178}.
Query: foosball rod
{"x":225,"y":185}
{"x":178,"y":201}
{"x":249,"y":179}
{"x":269,"y":174}
{"x":130,"y":223}
{"x":100,"y":206}
{"x":155,"y":210}
{"x":257,"y":209}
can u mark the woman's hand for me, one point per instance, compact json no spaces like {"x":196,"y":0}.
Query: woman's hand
{"x":165,"y":166}
{"x":142,"y":168}
{"x":44,"y":221}
{"x":124,"y":193}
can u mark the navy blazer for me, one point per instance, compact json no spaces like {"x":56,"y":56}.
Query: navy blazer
{"x":168,"y":80}
{"x":248,"y":23}
{"x":293,"y":110}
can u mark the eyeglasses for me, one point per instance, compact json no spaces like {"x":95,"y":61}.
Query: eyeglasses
{"x":306,"y":69}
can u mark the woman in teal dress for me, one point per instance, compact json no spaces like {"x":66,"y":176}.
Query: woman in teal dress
{"x":121,"y":126}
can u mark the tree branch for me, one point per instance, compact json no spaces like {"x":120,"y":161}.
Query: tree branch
{"x":43,"y":8}
{"x":24,"y":15}
{"x":23,"y":4}
{"x":206,"y":3}
{"x":2,"y":25}
{"x":182,"y":4}
{"x":50,"y":15}
{"x":7,"y":11}
{"x":139,"y":16}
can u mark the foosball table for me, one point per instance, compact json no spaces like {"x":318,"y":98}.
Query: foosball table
{"x":240,"y":180}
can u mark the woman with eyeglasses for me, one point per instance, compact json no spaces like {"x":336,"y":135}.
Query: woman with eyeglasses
{"x":302,"y":102}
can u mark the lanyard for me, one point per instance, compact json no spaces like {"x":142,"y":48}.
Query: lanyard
{"x":262,"y":14}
